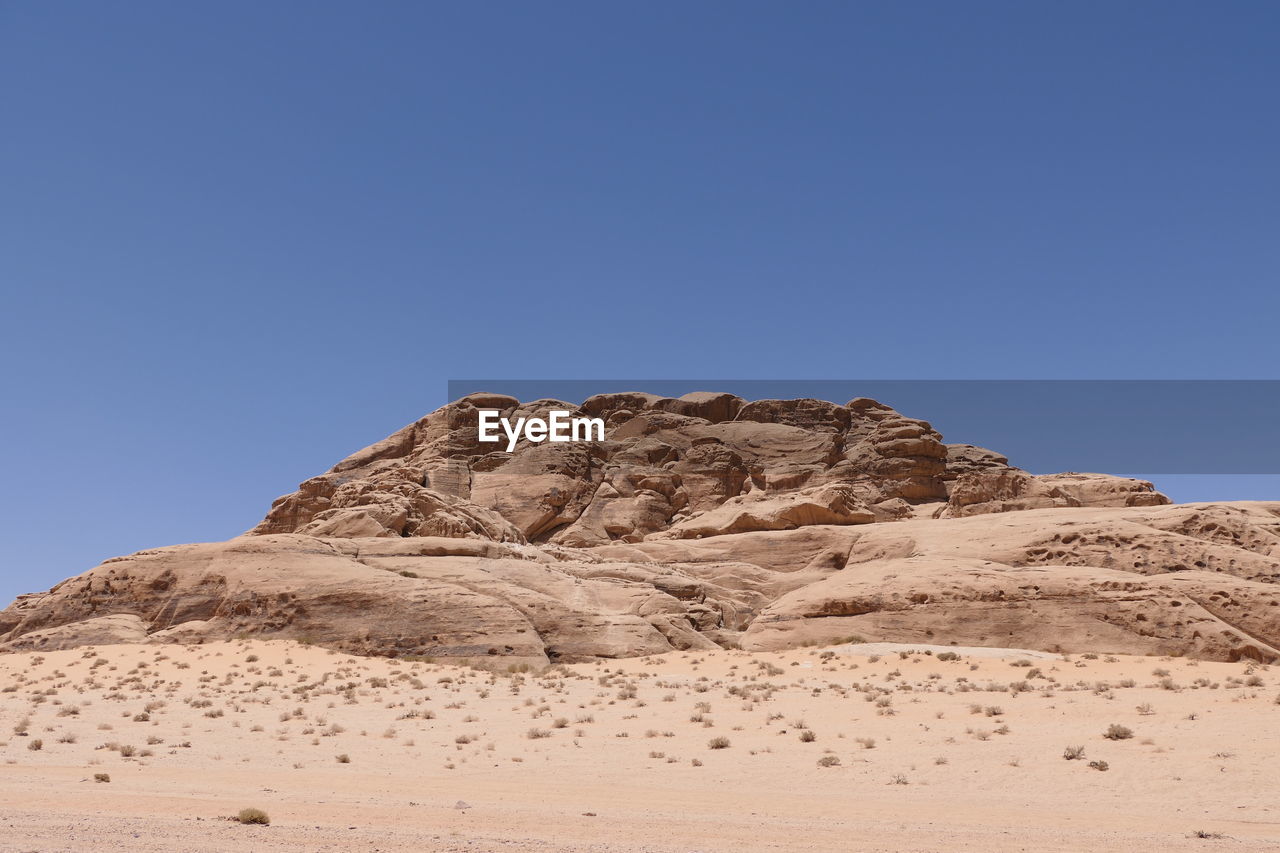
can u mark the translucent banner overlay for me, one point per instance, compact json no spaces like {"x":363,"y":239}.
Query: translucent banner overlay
{"x":1185,"y":427}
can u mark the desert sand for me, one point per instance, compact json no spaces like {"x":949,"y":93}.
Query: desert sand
{"x":828,"y":748}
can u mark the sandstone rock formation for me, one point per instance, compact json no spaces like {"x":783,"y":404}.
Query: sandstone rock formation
{"x":701,"y":521}
{"x":670,"y":466}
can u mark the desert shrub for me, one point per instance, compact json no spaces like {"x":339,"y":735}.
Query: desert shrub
{"x":536,"y":733}
{"x":1115,"y":731}
{"x":343,"y":758}
{"x":807,"y":736}
{"x":828,"y":761}
{"x":1073,"y":753}
{"x":1099,"y":765}
{"x":102,"y":777}
{"x":36,"y":745}
{"x":257,"y":816}
{"x":718,"y":743}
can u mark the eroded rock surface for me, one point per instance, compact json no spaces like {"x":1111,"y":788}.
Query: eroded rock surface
{"x":701,"y":521}
{"x":665,"y":466}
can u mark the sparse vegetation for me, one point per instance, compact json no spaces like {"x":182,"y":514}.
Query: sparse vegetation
{"x":253,"y":816}
{"x":254,"y":714}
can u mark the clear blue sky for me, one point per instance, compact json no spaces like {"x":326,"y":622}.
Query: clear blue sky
{"x":240,"y":240}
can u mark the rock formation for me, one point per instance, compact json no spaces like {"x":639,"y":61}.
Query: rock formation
{"x":702,"y":521}
{"x":697,"y":465}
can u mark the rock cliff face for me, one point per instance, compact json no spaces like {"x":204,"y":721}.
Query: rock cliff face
{"x":701,"y":465}
{"x":702,"y":521}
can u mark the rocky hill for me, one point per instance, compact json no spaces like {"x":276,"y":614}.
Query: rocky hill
{"x":701,"y":465}
{"x":702,"y":521}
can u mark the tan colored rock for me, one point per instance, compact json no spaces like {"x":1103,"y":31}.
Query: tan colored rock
{"x":976,"y":602}
{"x":664,"y":461}
{"x":630,"y":503}
{"x":831,"y":504}
{"x":95,"y":631}
{"x":710,"y":406}
{"x":1002,"y":489}
{"x":1105,"y":489}
{"x":543,"y":488}
{"x":1194,"y":579}
{"x":978,"y":492}
{"x":431,"y":596}
{"x":699,"y":521}
{"x":965,"y":458}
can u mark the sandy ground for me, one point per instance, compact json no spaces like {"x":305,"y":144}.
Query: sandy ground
{"x":920,"y":754}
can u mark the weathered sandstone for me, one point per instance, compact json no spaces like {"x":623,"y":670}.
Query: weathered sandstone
{"x":698,"y":522}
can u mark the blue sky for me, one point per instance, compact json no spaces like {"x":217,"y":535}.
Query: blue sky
{"x":239,"y":240}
